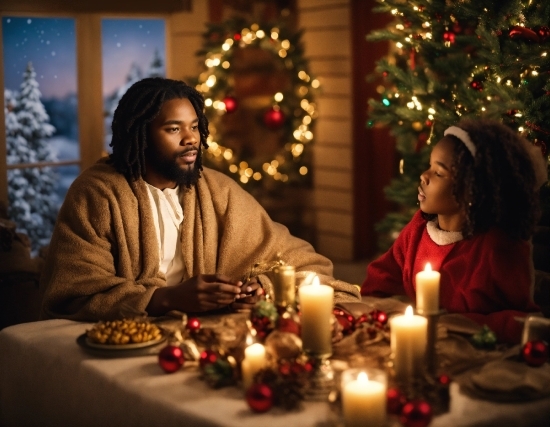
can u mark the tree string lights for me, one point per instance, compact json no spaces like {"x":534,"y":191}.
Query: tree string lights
{"x":451,"y":60}
{"x":290,"y":113}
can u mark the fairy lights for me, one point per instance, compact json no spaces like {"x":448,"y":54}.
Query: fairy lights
{"x":296,"y":103}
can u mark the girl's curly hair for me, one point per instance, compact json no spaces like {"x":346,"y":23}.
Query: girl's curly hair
{"x":497,"y":187}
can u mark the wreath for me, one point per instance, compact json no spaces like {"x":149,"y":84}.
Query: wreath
{"x":286,"y":116}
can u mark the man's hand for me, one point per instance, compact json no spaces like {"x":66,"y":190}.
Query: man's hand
{"x":200,"y":293}
{"x":251,"y":293}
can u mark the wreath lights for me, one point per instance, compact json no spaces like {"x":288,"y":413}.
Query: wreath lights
{"x":292,"y":112}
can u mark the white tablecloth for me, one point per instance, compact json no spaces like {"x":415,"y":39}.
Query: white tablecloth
{"x":46,"y":379}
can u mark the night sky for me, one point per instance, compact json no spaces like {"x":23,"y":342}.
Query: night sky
{"x":125,"y":41}
{"x":50,"y":44}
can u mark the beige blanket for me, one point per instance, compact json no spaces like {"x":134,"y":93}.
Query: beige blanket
{"x":103,"y":255}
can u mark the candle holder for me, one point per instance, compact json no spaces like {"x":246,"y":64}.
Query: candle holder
{"x":431,"y":353}
{"x":321,"y":379}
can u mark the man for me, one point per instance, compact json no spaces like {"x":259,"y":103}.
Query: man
{"x":149,"y":230}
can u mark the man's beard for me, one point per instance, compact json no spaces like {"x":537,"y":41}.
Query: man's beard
{"x":170,"y":169}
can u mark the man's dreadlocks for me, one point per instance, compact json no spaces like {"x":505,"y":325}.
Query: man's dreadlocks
{"x":136,"y":109}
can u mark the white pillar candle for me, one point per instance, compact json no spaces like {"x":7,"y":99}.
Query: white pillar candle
{"x":364,"y":398}
{"x":316,"y":304}
{"x":408,"y":334}
{"x":427,"y":290}
{"x":254,"y":361}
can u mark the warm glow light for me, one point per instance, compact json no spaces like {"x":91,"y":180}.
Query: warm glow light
{"x":409,"y":311}
{"x":362,"y":378}
{"x":428,"y":267}
{"x":278,"y":97}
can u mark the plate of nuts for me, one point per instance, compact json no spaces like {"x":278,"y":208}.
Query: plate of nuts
{"x":124,"y":334}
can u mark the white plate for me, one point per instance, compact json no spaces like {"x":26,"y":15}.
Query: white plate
{"x":131,"y":346}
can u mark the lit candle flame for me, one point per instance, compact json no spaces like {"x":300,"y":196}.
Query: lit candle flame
{"x":409,"y":311}
{"x":428,"y":267}
{"x":316,"y":281}
{"x":362,"y":378}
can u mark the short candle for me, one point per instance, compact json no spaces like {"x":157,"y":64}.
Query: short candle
{"x":364,"y":399}
{"x":427,"y":290}
{"x":409,"y":335}
{"x":254,"y":360}
{"x":316,"y":303}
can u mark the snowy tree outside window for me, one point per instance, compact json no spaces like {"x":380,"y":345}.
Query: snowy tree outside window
{"x":41,"y":121}
{"x":133,"y":49}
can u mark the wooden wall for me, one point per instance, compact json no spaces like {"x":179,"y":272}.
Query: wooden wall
{"x":352,"y":163}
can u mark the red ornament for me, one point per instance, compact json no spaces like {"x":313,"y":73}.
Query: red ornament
{"x":193,"y":324}
{"x":208,"y":357}
{"x":274,"y":118}
{"x":416,"y":413}
{"x":237,"y":36}
{"x":171,"y":358}
{"x":543,"y":33}
{"x":259,"y":397}
{"x":535,"y":353}
{"x":379,"y":316}
{"x":444,"y":380}
{"x":517,"y":32}
{"x":345,"y":319}
{"x":477,"y":85}
{"x":449,"y":36}
{"x":231,"y":104}
{"x":395,"y":401}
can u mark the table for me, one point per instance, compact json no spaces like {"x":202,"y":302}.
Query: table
{"x":46,"y":379}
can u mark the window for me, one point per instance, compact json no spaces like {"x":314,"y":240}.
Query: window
{"x":40,"y":105}
{"x":132,"y":49}
{"x":57,"y":58}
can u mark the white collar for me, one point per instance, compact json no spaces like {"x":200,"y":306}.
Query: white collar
{"x":440,"y":236}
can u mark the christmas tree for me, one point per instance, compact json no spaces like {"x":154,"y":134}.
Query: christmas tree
{"x":33,"y":203}
{"x":155,"y":69}
{"x":455,"y":59}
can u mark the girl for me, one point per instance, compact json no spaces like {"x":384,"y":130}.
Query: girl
{"x":478,"y":208}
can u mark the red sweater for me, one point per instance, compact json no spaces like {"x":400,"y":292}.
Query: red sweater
{"x":487,"y":278}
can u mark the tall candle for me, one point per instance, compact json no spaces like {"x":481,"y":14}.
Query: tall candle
{"x":408,"y":335}
{"x":284,"y":285}
{"x":427,"y":290}
{"x":364,"y":398}
{"x":254,"y":360}
{"x":316,"y":304}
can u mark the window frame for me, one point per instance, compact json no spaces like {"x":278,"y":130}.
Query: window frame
{"x":89,"y":86}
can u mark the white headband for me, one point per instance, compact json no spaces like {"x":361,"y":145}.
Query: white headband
{"x":463,"y":136}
